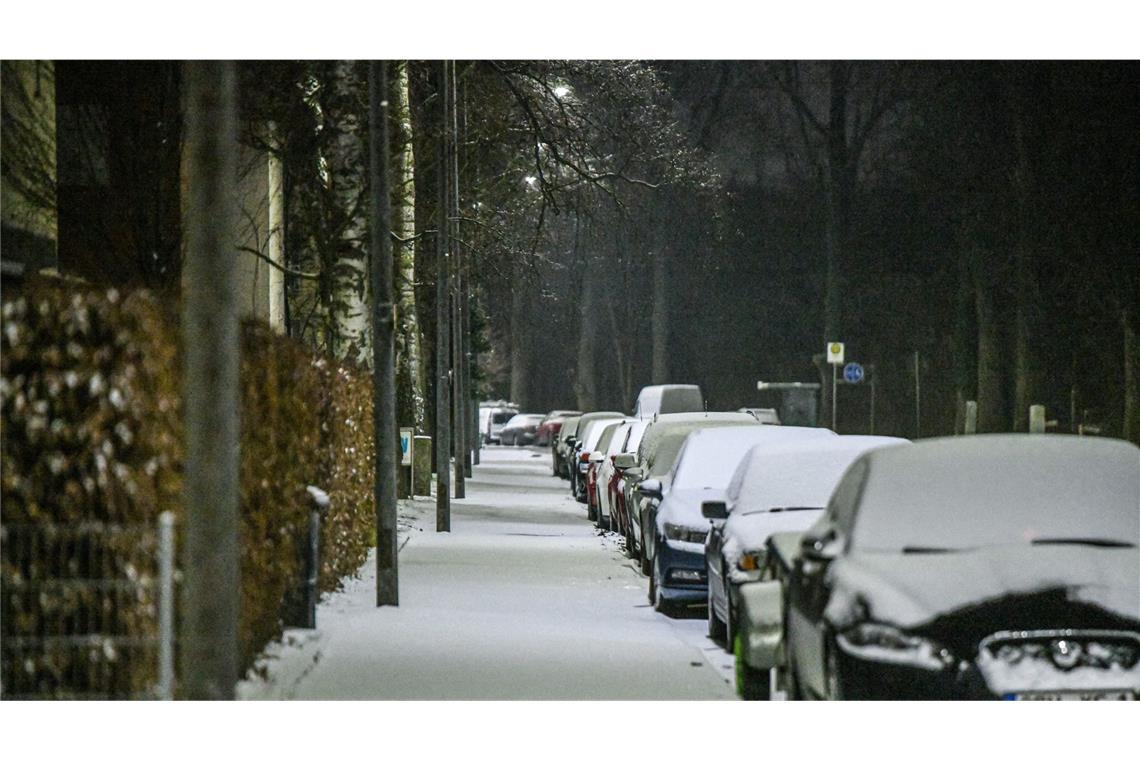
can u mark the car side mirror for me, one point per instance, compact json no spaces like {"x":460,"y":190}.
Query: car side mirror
{"x":822,"y":546}
{"x":650,"y":488}
{"x":596,"y":456}
{"x":625,"y":461}
{"x":714,"y":510}
{"x":635,"y":472}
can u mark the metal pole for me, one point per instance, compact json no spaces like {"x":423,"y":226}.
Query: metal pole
{"x":442,"y":441}
{"x":166,"y":605}
{"x":383,"y":340}
{"x":834,"y":383}
{"x":917,"y":400}
{"x":211,"y":365}
{"x":871,"y":371}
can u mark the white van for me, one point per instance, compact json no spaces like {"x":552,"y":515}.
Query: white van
{"x":667,"y":399}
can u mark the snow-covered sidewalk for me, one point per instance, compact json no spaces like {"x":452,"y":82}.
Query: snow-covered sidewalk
{"x":522,"y":600}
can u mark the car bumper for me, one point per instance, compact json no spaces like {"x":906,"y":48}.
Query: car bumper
{"x":684,"y":576}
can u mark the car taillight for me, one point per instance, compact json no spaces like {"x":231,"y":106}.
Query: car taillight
{"x":584,"y":456}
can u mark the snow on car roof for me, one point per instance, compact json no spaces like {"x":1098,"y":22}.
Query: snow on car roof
{"x":985,"y":490}
{"x":686,"y":422}
{"x":594,"y":435}
{"x":522,"y":420}
{"x":797,"y":471}
{"x":711,"y":455}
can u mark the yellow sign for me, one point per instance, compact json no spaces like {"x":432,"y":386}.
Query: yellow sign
{"x":835,"y":353}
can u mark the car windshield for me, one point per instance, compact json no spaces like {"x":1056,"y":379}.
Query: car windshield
{"x":665,"y":454}
{"x":711,"y":456}
{"x":1026,"y":490}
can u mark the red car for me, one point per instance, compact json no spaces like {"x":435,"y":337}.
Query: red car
{"x":551,"y":424}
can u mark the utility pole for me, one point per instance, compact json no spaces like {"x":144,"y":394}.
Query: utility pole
{"x":211,"y":344}
{"x":383,"y":338}
{"x":464,"y":270}
{"x":917,"y":399}
{"x":460,"y":442}
{"x":443,"y":316}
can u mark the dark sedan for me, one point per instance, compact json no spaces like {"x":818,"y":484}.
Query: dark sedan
{"x":1000,"y":566}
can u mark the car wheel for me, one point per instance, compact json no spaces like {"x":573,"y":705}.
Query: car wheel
{"x":751,"y":683}
{"x":643,"y":555}
{"x":834,"y":681}
{"x":630,"y":549}
{"x":660,"y":604}
{"x":729,"y":628}
{"x":717,"y":630}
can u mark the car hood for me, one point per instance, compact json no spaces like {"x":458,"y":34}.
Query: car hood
{"x":910,"y":590}
{"x":682,"y":506}
{"x":748,"y":532}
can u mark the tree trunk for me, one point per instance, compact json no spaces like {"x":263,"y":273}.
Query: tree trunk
{"x":660,"y":318}
{"x":276,"y":173}
{"x":347,"y":159}
{"x":838,"y":187}
{"x":520,"y":371}
{"x":991,"y":402}
{"x":211,"y":605}
{"x":410,"y":383}
{"x":383,"y":346}
{"x":442,"y":440}
{"x":1131,"y":427}
{"x":1025,"y":282}
{"x":585,"y":383}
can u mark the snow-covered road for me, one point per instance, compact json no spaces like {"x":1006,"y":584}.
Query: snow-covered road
{"x":522,"y":600}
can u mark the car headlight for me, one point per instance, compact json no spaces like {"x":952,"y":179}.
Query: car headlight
{"x":683,"y":533}
{"x":883,"y":643}
{"x":751,"y":560}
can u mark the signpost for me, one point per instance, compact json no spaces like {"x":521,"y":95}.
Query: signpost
{"x":834,"y":358}
{"x":853,"y":373}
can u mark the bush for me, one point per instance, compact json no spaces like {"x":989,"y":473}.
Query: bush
{"x":91,"y":436}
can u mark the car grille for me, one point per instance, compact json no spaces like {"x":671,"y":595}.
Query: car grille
{"x":1060,"y":660}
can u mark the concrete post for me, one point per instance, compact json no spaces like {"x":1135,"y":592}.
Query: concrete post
{"x":971,"y":423}
{"x":1037,"y":419}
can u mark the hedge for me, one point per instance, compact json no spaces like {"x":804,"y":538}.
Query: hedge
{"x":91,"y":443}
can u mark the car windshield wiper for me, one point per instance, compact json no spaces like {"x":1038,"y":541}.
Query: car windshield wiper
{"x":1106,"y":543}
{"x":792,"y":509}
{"x":927,"y":550}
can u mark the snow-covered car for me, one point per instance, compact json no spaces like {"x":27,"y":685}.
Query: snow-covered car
{"x":703,"y":469}
{"x":560,"y":448}
{"x":611,"y":495}
{"x":781,"y":484}
{"x":579,"y":458}
{"x":520,"y":430}
{"x":493,"y":418}
{"x":589,"y":456}
{"x":599,"y":457}
{"x":647,"y":478}
{"x":550,"y":425}
{"x":992,"y":566}
{"x":668,"y":399}
{"x":767,"y":415}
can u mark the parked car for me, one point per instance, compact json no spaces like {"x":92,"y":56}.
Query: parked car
{"x":782,"y":484}
{"x":560,"y":450}
{"x":575,"y":460}
{"x":677,"y":530}
{"x":585,"y":448}
{"x":764,"y":414}
{"x":611,"y":478}
{"x":668,"y":399}
{"x":520,"y":430}
{"x":660,"y":444}
{"x":994,"y":566}
{"x":493,"y":416}
{"x":593,"y":470}
{"x":551,"y":424}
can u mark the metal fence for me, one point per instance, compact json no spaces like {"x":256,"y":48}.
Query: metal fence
{"x":87,"y":610}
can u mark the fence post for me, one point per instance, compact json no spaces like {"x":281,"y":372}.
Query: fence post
{"x":166,"y":605}
{"x":1037,"y":419}
{"x":971,"y":423}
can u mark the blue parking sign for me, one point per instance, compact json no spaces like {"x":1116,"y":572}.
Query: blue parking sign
{"x":853,"y":373}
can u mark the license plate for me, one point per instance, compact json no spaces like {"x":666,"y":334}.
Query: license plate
{"x":1077,"y":696}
